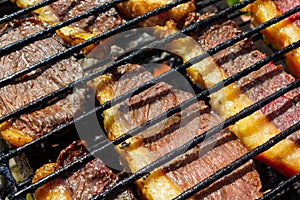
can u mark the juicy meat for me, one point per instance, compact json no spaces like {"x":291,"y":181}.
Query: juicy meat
{"x":66,"y":9}
{"x":269,"y":121}
{"x":284,"y":111}
{"x":286,"y":5}
{"x":62,"y":10}
{"x":36,"y":84}
{"x":173,"y":132}
{"x":214,"y":154}
{"x":84,"y":183}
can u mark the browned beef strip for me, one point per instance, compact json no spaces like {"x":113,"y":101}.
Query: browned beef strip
{"x":286,"y":5}
{"x":284,"y":111}
{"x":211,"y":156}
{"x":39,"y":83}
{"x":200,"y":162}
{"x":66,"y":9}
{"x":91,"y":179}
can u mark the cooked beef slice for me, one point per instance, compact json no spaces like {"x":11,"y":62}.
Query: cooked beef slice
{"x":89,"y":180}
{"x":284,"y":111}
{"x":37,"y":83}
{"x":198,"y":163}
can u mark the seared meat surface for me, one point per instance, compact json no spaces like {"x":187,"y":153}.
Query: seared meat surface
{"x":153,"y":143}
{"x":285,"y":5}
{"x":24,"y":128}
{"x":272,"y":118}
{"x":81,"y":184}
{"x":84,"y":29}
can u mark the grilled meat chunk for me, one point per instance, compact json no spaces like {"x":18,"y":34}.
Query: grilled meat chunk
{"x":283,"y":33}
{"x":153,"y":143}
{"x":268,"y":121}
{"x":82,"y":184}
{"x":24,"y":128}
{"x":134,"y":8}
{"x":84,"y":29}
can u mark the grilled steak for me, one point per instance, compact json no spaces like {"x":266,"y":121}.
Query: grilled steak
{"x":24,"y":128}
{"x":285,"y":5}
{"x":189,"y":169}
{"x":264,"y":10}
{"x":78,"y":185}
{"x":84,"y":29}
{"x":271,"y":119}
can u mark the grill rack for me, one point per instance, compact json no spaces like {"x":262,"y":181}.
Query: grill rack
{"x":11,"y":153}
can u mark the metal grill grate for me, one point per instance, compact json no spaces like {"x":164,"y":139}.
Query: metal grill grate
{"x":15,"y":190}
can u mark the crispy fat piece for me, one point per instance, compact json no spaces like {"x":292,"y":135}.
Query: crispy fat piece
{"x":281,"y":34}
{"x":134,"y":8}
{"x":82,"y":30}
{"x":171,"y":180}
{"x":80,"y":184}
{"x":27,"y":127}
{"x":54,"y":189}
{"x":267,"y":122}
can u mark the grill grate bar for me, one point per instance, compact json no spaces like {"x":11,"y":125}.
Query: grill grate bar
{"x":76,"y":48}
{"x":191,"y":144}
{"x":79,"y":162}
{"x":245,"y":112}
{"x":148,"y":84}
{"x":212,"y":51}
{"x":281,"y":187}
{"x":51,"y":30}
{"x":25,"y":11}
{"x":251,"y":32}
{"x":25,"y":183}
{"x":240,"y":161}
{"x":203,"y":4}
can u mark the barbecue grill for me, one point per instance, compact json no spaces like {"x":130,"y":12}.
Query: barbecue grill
{"x":274,"y":185}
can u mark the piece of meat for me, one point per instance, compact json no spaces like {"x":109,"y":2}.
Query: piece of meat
{"x":134,"y":8}
{"x":62,"y":10}
{"x":82,"y":184}
{"x":24,"y":128}
{"x":272,"y":118}
{"x":284,"y":6}
{"x":264,"y":10}
{"x":153,"y":143}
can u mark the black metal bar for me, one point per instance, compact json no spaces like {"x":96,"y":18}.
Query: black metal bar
{"x":238,"y":162}
{"x":203,"y":4}
{"x":231,"y":120}
{"x":250,"y":32}
{"x":25,"y":183}
{"x":192,"y":143}
{"x":25,"y":11}
{"x":148,"y":84}
{"x":124,"y":60}
{"x":76,"y":48}
{"x":74,"y":165}
{"x":49,"y":31}
{"x":280,"y":187}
